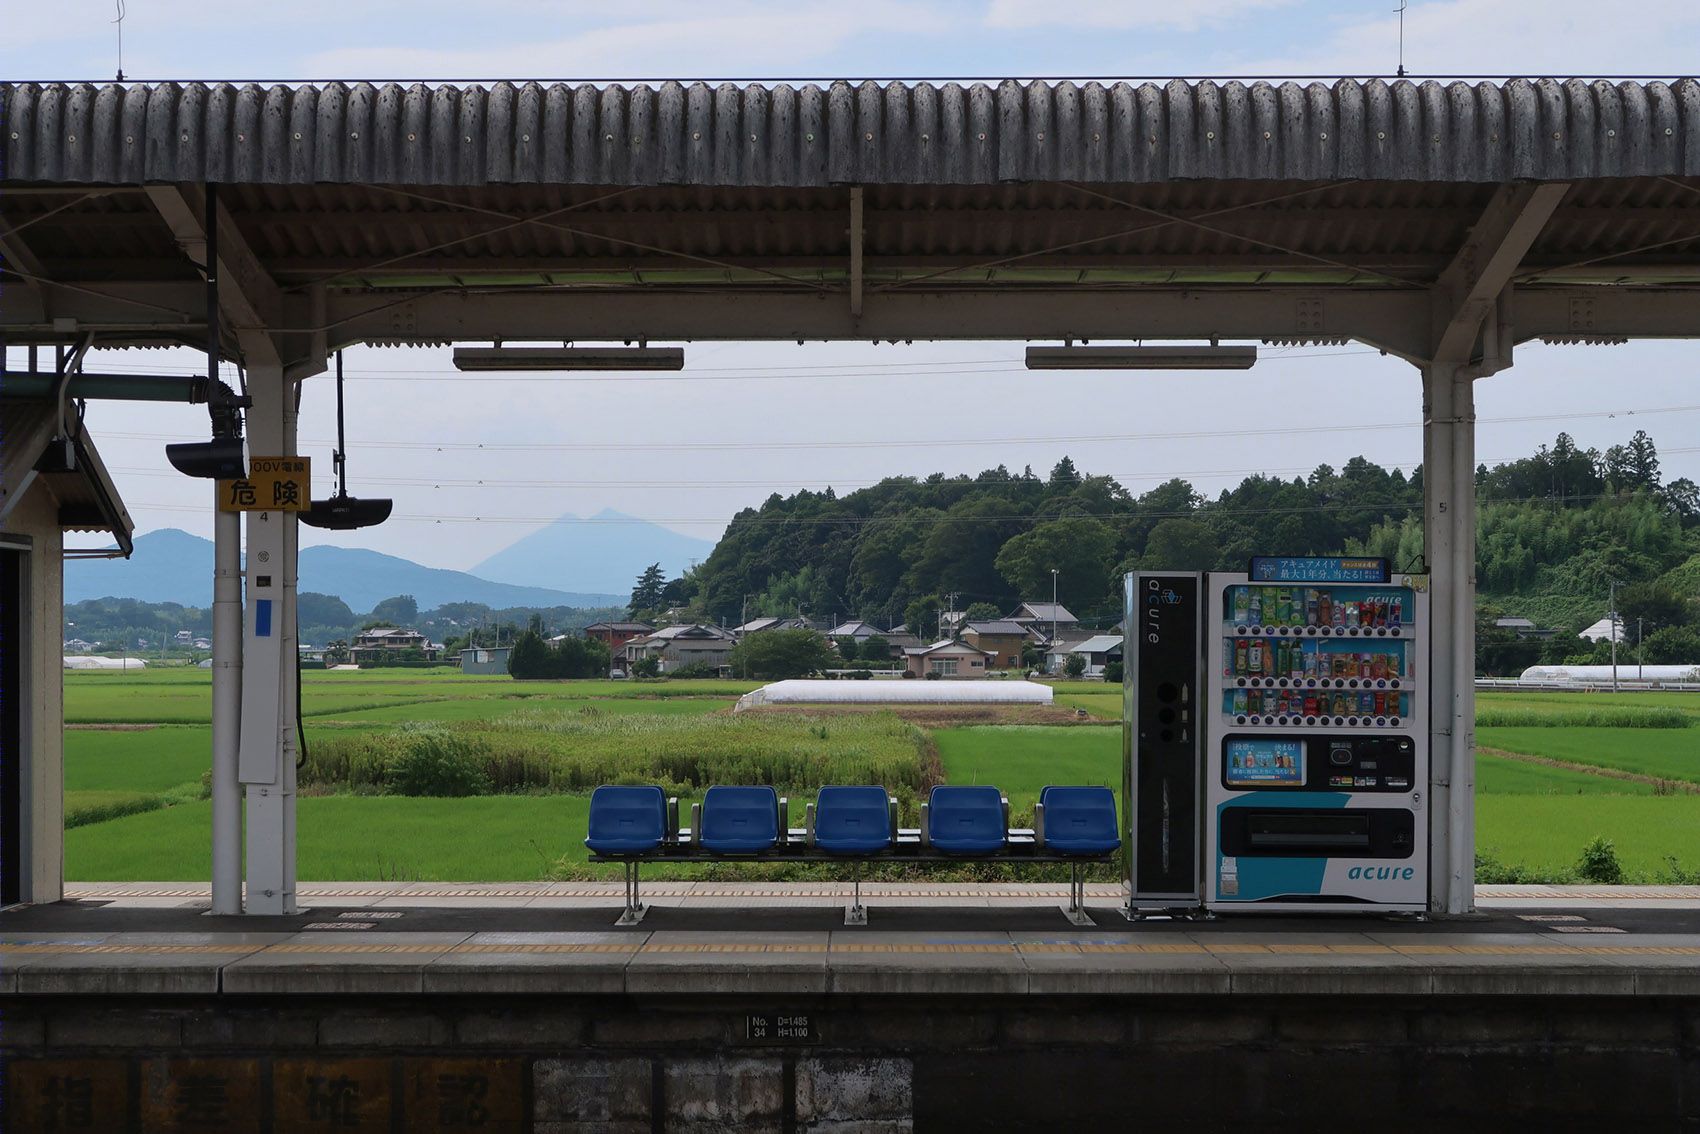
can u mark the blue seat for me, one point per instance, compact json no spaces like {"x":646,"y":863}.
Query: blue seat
{"x":1079,"y":820}
{"x":626,"y":819}
{"x":739,"y":820}
{"x":852,"y":820}
{"x":966,"y":819}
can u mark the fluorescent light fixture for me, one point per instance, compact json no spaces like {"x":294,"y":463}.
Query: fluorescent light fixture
{"x":569,"y":358}
{"x":1141,"y":358}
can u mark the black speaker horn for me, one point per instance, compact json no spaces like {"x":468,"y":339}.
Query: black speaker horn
{"x":343,"y":512}
{"x":222,"y":458}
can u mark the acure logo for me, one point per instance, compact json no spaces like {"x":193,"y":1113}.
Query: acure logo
{"x":1382,"y":873}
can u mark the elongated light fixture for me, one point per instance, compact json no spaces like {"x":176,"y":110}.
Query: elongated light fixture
{"x":1141,"y":358}
{"x":569,"y":358}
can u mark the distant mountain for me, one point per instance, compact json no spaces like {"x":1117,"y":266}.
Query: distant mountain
{"x":174,"y":566}
{"x":608,"y":552}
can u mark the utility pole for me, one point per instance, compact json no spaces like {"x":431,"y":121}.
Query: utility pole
{"x":1053,"y":610}
{"x":1640,"y":648}
{"x":1612,"y":614}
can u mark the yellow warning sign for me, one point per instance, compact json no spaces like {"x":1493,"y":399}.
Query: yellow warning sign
{"x":273,"y":484}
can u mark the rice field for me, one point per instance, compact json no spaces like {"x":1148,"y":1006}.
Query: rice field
{"x":134,"y":780}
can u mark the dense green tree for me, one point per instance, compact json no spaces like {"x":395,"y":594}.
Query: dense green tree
{"x":647,"y":592}
{"x":960,"y":551}
{"x":1179,"y":545}
{"x":777,"y":655}
{"x":398,"y":611}
{"x":1672,"y":645}
{"x":876,"y":649}
{"x":921,"y":618}
{"x":314,"y":609}
{"x":529,"y":659}
{"x":1078,"y":549}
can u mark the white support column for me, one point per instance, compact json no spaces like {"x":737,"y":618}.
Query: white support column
{"x":227,"y":711}
{"x":267,"y":757}
{"x":1450,"y":521}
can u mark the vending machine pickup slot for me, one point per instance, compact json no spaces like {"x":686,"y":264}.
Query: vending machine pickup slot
{"x":1271,"y":830}
{"x":1303,"y":832}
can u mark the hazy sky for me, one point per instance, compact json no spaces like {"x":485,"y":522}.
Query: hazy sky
{"x":476,"y":462}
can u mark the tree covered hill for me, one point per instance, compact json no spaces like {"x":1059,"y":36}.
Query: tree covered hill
{"x":1555,"y":528}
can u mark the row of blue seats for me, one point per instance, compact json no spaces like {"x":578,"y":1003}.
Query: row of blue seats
{"x":632,"y":824}
{"x":638,"y":820}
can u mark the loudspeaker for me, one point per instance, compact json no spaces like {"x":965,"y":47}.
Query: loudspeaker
{"x":222,"y":458}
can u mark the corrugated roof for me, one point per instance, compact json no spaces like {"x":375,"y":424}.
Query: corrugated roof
{"x":844,"y":133}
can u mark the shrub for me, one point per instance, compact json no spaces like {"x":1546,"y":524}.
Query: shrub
{"x":85,"y":807}
{"x":697,"y":669}
{"x":1492,"y":872}
{"x":1599,"y":862}
{"x":436,"y":762}
{"x":1113,"y":672}
{"x":1075,"y":665}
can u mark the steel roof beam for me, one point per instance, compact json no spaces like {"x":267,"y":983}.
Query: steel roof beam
{"x":1471,"y":285}
{"x":250,"y":298}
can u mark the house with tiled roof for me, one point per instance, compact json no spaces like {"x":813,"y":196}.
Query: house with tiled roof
{"x":1002,"y":638}
{"x":950,"y":658}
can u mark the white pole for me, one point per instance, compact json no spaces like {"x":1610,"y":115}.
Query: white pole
{"x":1450,"y":547}
{"x":226,"y":711}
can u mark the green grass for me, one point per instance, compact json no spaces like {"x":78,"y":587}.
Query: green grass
{"x":495,"y":707}
{"x":1497,"y":775}
{"x":1102,"y":702}
{"x":489,"y":838}
{"x":1022,"y":759}
{"x":1669,"y":754}
{"x":1579,"y":702}
{"x":149,"y":760}
{"x":1548,"y":832}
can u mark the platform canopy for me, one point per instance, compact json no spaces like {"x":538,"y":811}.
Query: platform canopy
{"x":1049,"y":211}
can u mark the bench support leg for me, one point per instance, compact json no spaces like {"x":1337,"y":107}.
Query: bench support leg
{"x":856,"y":913}
{"x":1075,"y":911}
{"x":634,"y":910}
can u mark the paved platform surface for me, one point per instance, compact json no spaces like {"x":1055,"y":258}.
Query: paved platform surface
{"x":157,"y":938}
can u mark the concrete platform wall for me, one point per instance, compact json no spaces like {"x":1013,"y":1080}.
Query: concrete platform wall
{"x":867,"y":1065}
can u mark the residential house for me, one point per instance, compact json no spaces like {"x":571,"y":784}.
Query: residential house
{"x":1524,"y":628}
{"x":1044,"y":621}
{"x":950,"y":658}
{"x":678,"y":646}
{"x":1604,"y":631}
{"x":374,"y":645}
{"x":757,"y":625}
{"x":616,"y":634}
{"x":485,"y":659}
{"x":857,"y":629}
{"x":1002,"y":639}
{"x":1099,"y":650}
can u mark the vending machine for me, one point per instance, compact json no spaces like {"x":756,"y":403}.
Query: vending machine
{"x":1315,"y":760}
{"x":1163,"y":736}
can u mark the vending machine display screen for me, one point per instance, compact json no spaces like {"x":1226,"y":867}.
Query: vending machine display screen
{"x":1255,"y":761}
